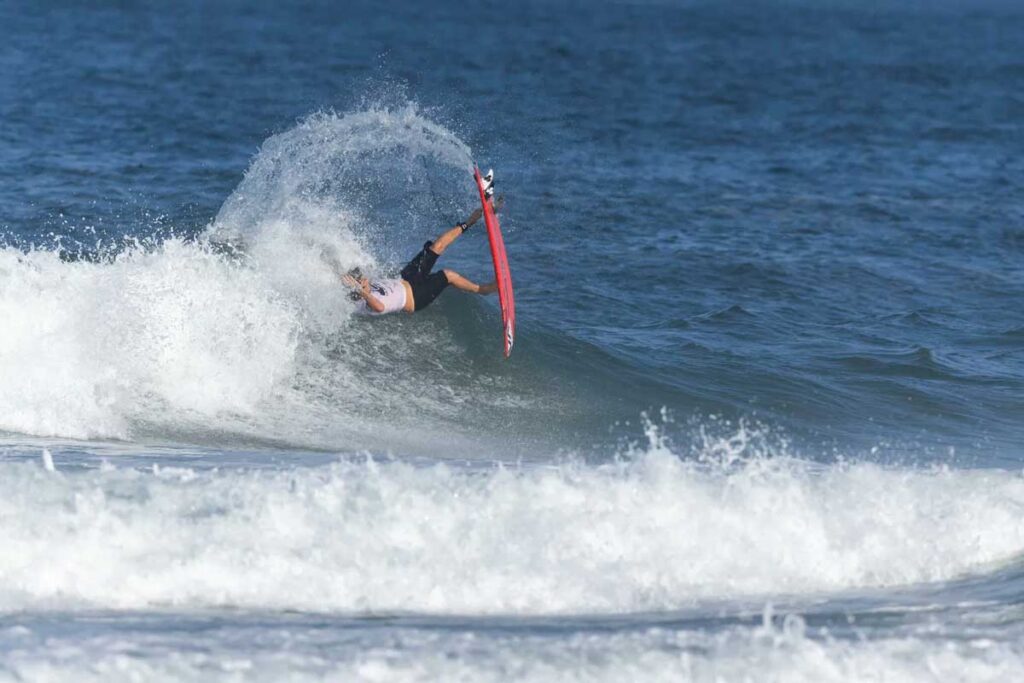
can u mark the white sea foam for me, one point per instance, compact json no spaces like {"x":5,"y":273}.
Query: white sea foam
{"x":652,"y":533}
{"x":89,"y":347}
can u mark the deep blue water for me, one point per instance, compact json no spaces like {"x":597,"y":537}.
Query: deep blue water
{"x":780,"y":243}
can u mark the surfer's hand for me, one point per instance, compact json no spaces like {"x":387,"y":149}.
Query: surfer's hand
{"x":353,"y":283}
{"x":499,"y":202}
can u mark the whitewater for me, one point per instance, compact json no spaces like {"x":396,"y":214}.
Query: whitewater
{"x":652,"y":532}
{"x":658,"y":565}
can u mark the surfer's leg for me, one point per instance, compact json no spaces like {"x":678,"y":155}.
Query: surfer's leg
{"x":467,"y":285}
{"x":443,"y":242}
{"x":425,"y":290}
{"x":421,"y":264}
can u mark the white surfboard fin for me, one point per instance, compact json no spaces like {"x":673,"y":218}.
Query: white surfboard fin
{"x":489,"y":183}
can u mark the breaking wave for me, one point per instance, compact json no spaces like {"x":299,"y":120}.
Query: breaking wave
{"x":651,"y":531}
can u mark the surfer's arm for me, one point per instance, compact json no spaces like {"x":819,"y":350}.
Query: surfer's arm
{"x":363,"y":290}
{"x":373,"y":302}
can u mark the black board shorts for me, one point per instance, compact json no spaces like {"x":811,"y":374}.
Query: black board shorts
{"x":426,"y":286}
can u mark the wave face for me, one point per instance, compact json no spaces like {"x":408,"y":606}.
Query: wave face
{"x":649,"y":532}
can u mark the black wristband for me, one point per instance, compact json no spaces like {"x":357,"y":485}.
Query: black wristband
{"x":463,"y":226}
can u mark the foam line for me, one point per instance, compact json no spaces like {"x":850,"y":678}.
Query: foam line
{"x":654,"y":533}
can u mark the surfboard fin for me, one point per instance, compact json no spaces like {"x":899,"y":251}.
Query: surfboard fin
{"x":489,"y":183}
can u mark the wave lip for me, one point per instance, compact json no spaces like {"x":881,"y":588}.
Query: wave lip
{"x":650,"y":533}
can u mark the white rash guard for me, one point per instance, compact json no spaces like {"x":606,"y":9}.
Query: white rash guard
{"x":391,"y":293}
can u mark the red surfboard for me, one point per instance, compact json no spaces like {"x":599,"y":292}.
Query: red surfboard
{"x":501,"y":271}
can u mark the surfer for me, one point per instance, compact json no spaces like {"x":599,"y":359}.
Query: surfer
{"x":417,"y":287}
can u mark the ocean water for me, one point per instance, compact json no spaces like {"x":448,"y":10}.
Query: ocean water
{"x":764,"y":420}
